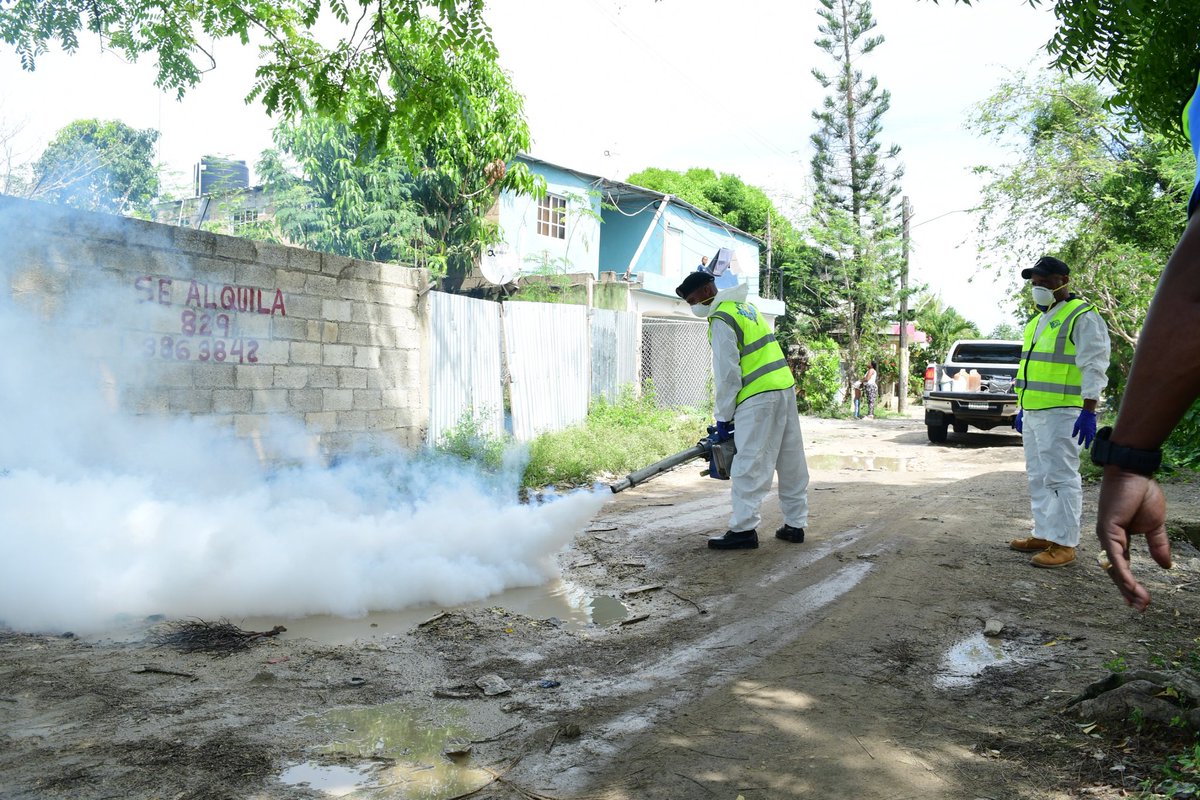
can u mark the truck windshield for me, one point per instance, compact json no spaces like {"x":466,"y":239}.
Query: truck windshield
{"x":987,"y":353}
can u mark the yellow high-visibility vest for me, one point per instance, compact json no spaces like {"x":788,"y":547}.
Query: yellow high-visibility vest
{"x":1047,"y":376}
{"x":764,"y":368}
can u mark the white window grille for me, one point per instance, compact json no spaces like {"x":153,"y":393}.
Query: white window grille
{"x":552,"y":216}
{"x":244,"y":217}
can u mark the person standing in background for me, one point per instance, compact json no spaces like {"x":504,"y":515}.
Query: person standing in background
{"x":1063,"y":371}
{"x":870,"y":388}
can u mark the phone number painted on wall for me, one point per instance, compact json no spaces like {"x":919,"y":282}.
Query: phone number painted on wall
{"x":239,"y":350}
{"x":206,"y":324}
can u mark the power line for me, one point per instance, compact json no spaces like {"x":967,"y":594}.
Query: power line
{"x":948,"y":213}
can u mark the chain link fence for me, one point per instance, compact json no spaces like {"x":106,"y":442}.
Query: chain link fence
{"x":677,"y":361}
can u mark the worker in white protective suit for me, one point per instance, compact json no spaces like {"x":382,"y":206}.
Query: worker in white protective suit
{"x":1062,"y":373}
{"x":754,"y":389}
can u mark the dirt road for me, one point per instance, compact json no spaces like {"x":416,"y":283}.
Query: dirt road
{"x":853,"y":665}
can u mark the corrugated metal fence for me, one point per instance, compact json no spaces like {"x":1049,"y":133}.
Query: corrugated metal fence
{"x":549,"y":366}
{"x":554,"y":357}
{"x":465,"y":359}
{"x":614,"y":352}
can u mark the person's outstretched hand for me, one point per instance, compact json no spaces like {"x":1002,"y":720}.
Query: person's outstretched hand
{"x":1131,"y":504}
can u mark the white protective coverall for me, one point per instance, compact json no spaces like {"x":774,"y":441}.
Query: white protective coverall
{"x":1051,"y":452}
{"x":766,"y":432}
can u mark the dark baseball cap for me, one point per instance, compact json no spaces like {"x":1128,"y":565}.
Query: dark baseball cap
{"x":693,"y":281}
{"x":1046,"y":265}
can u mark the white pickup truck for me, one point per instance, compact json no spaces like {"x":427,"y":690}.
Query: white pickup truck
{"x":974,"y":387}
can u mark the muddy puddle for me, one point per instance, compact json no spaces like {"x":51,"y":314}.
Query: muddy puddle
{"x":964,"y":662}
{"x":567,"y":604}
{"x":403,"y":755}
{"x":559,"y":600}
{"x":333,"y":781}
{"x":866,"y":463}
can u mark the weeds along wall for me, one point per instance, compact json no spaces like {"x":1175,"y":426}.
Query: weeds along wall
{"x":185,"y":322}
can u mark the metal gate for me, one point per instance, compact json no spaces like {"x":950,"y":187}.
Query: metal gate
{"x":677,"y":361}
{"x":465,"y":364}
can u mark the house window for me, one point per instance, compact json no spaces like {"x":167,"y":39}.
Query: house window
{"x":247,"y":216}
{"x":552,"y":217}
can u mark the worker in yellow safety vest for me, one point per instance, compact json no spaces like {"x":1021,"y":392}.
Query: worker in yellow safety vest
{"x":1063,"y":370}
{"x":754,"y":388}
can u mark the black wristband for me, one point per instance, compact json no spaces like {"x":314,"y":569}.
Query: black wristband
{"x":1105,"y":452}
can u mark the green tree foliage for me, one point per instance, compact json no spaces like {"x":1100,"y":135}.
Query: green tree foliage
{"x":943,"y":325}
{"x":856,"y":182}
{"x":1099,"y":192}
{"x":822,"y":378}
{"x":746,"y":207}
{"x":97,"y":165}
{"x":1005,"y":330}
{"x":1105,"y":197}
{"x":348,"y":195}
{"x":342,"y":201}
{"x":396,"y":98}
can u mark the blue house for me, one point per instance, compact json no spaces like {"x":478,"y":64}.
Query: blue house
{"x":617,"y":232}
{"x":560,"y":233}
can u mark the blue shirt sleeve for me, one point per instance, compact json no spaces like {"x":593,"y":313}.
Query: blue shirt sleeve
{"x":1191,"y":126}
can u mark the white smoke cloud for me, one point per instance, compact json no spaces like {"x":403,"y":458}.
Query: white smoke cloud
{"x":105,"y":515}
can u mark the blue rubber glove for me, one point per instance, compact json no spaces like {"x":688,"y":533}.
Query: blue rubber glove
{"x":725,"y":430}
{"x":1085,"y":427}
{"x":1019,"y":420}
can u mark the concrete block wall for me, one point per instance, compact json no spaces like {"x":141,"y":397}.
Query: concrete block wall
{"x":240,"y":331}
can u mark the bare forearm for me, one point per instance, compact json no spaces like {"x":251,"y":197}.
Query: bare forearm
{"x":1165,"y":377}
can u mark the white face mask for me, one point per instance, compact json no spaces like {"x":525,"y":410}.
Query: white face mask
{"x":702,"y":310}
{"x":1042,"y":296}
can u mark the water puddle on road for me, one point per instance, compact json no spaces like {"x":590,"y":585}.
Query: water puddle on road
{"x":427,"y":761}
{"x":332,"y":781}
{"x":866,"y":463}
{"x":561,"y":600}
{"x":966,"y":660}
{"x":607,"y":610}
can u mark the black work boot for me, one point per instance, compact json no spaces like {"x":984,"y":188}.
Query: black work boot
{"x":734,"y":540}
{"x":790,"y":534}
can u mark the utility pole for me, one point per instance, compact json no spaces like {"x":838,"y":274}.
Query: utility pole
{"x":768,"y":249}
{"x":905,"y":215}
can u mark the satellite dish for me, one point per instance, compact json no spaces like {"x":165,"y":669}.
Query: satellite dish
{"x":498,"y":264}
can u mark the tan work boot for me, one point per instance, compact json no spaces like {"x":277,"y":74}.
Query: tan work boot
{"x":1056,"y":555}
{"x":1030,"y":544}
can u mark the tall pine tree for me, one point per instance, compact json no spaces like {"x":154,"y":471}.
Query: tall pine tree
{"x":856,"y":219}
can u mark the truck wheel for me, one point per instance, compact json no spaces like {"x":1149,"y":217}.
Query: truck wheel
{"x":937,"y":433}
{"x":960,"y":427}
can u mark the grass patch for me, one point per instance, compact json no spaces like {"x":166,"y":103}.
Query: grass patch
{"x":470,"y":441}
{"x":616,"y":438}
{"x":1161,"y":756}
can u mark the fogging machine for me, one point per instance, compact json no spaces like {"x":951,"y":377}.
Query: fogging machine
{"x":719,"y":453}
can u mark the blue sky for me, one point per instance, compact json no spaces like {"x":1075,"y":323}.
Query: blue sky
{"x":614,"y":86}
